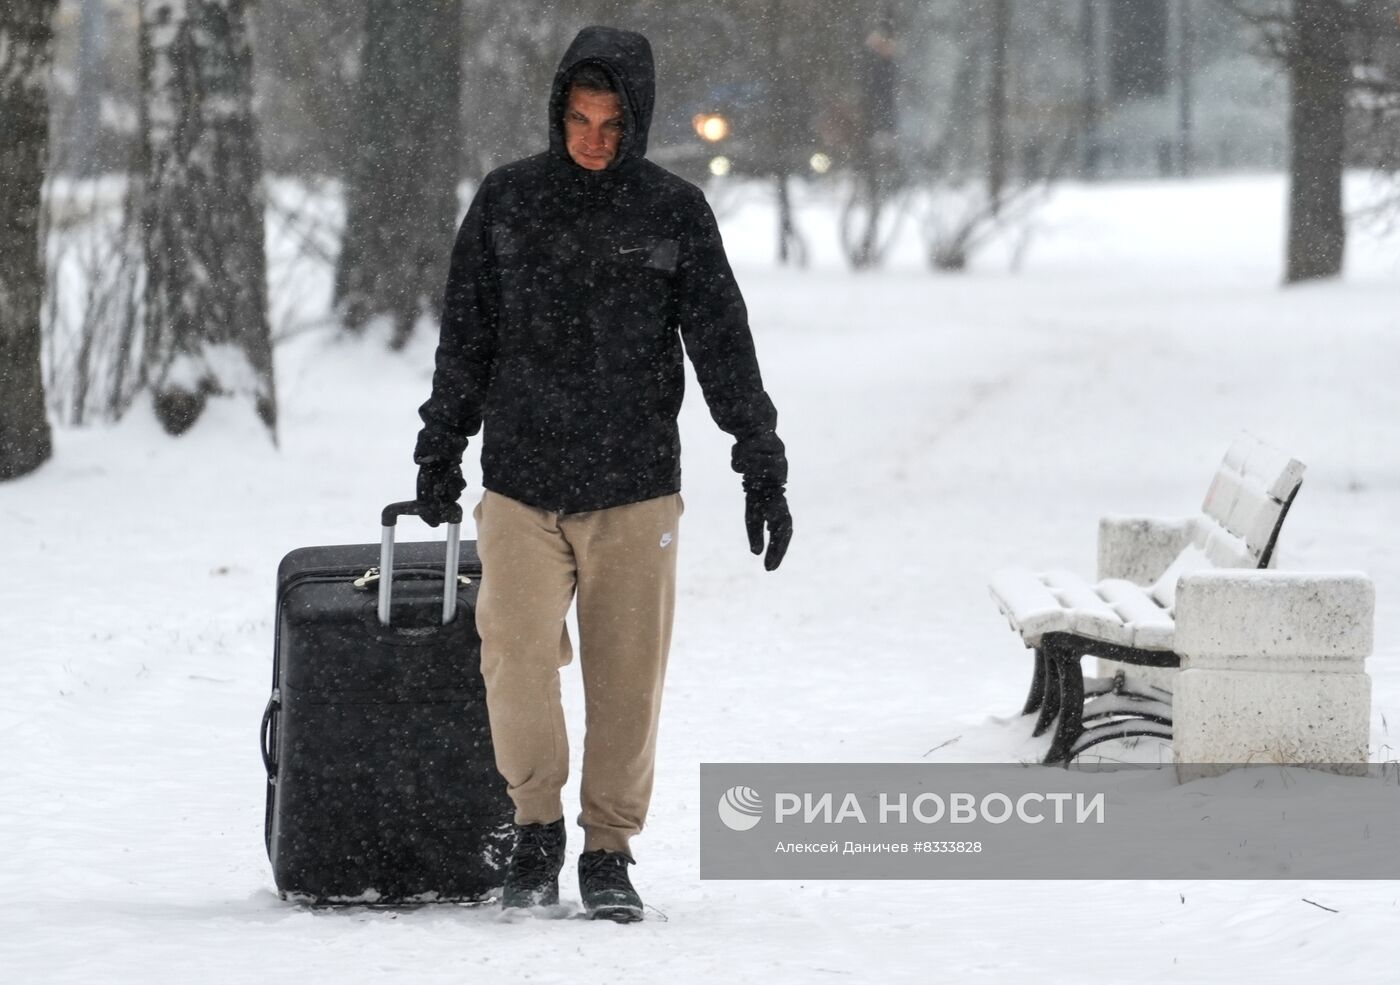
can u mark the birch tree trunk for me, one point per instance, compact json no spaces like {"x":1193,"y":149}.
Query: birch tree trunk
{"x":207,"y":329}
{"x":26,"y":49}
{"x":401,"y":196}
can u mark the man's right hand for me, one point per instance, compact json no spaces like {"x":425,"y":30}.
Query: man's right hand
{"x":440,"y":484}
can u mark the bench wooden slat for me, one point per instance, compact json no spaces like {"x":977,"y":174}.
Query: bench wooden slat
{"x":1222,"y":495}
{"x":1253,"y":518}
{"x":1264,"y":466}
{"x":1225,"y":550}
{"x":1028,"y":604}
{"x":1275,"y":472}
{"x":1089,"y":614}
{"x":1115,"y":610}
{"x":1152,"y":626}
{"x":1076,"y":593}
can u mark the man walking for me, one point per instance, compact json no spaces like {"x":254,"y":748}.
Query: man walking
{"x":575,"y":277}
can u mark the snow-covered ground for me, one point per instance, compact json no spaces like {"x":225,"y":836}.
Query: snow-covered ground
{"x":938,"y":427}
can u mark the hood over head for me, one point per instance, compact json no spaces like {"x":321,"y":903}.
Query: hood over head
{"x":626,"y":57}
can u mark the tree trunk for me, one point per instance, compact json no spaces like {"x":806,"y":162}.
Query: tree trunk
{"x":1089,"y":108}
{"x":26,"y":49}
{"x":1185,"y":94}
{"x":1319,"y":71}
{"x":87,"y":141}
{"x":207,"y":329}
{"x":875,"y":159}
{"x":997,"y":151}
{"x":401,"y":197}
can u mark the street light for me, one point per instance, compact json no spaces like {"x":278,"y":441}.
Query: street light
{"x":711,"y":126}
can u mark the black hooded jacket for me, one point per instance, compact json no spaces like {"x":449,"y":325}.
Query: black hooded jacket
{"x":568,"y":297}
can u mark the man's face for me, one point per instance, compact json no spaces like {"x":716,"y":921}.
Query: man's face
{"x":592,"y":127}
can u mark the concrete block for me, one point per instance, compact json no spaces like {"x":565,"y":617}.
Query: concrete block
{"x":1140,"y":548}
{"x":1274,"y":620}
{"x":1239,"y":716}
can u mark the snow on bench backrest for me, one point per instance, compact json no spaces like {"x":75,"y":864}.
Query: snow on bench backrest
{"x":1247,"y":499}
{"x":1242,"y":513}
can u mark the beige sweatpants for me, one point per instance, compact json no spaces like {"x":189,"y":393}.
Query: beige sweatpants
{"x":621,"y":563}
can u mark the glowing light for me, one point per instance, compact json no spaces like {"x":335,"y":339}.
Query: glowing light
{"x":820,"y":163}
{"x":720,"y":166}
{"x":711,"y":126}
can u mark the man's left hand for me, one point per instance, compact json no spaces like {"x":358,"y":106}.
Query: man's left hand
{"x":440,"y":485}
{"x":766,"y":506}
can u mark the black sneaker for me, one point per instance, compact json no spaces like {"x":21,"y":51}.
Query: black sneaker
{"x":606,"y":890}
{"x":532,"y":877}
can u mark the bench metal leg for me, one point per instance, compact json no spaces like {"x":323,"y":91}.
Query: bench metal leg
{"x":1071,"y":697}
{"x":1037,"y":692}
{"x":1049,"y":693}
{"x":1115,"y":711}
{"x":1155,"y":728}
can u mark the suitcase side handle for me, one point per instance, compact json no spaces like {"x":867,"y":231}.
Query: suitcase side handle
{"x":389,"y":519}
{"x":269,"y":755}
{"x":267,"y":745}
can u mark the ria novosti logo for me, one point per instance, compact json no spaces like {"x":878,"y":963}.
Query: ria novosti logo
{"x":740,"y":808}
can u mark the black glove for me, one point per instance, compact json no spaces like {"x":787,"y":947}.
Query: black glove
{"x":765,"y":505}
{"x":439,"y":486}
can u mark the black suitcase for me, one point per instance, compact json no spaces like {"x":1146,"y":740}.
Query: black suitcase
{"x":382,"y":784}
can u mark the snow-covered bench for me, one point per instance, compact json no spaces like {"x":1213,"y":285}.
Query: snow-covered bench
{"x":1128,"y":616}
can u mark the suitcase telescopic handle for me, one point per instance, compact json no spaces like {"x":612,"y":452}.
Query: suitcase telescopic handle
{"x":389,"y":519}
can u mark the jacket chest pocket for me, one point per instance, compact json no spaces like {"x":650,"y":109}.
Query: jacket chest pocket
{"x":638,"y":279}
